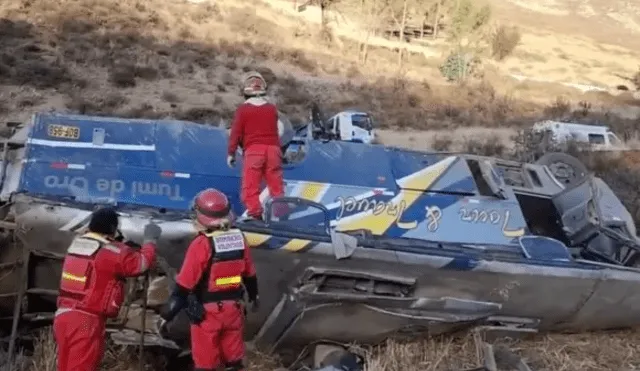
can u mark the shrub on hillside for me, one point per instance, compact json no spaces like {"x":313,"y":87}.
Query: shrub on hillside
{"x":458,"y":66}
{"x":636,"y":79}
{"x":558,"y":109}
{"x":504,"y":41}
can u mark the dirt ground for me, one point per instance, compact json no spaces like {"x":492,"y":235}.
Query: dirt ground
{"x":183,"y":60}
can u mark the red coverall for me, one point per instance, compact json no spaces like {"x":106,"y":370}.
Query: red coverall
{"x":255,"y":128}
{"x":218,"y":339}
{"x":92,"y":290}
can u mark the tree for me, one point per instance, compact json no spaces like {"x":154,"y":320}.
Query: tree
{"x":468,"y":20}
{"x":375,"y":12}
{"x":398,"y":13}
{"x":403,"y":22}
{"x":467,"y":32}
{"x":504,"y":41}
{"x":436,"y":17}
{"x":433,"y":12}
{"x":325,"y":5}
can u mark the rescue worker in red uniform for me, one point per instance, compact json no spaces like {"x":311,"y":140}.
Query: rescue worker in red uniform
{"x":216,"y":266}
{"x":255,"y":129}
{"x":92,"y":288}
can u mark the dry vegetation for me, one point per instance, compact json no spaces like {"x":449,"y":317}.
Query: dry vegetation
{"x":119,"y":358}
{"x":161,"y":59}
{"x":560,"y":352}
{"x":171,"y":59}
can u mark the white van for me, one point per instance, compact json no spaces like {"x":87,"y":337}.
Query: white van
{"x":601,"y":138}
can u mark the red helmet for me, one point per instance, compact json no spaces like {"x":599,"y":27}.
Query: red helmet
{"x":212,"y":208}
{"x":253,"y":84}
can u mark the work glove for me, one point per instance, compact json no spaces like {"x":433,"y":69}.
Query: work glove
{"x":152,"y":233}
{"x":231,"y":161}
{"x":195,"y":310}
{"x":255,"y":304}
{"x":177,"y":301}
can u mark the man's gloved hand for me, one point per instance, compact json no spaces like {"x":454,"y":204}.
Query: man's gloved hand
{"x":152,"y":233}
{"x":255,"y":304}
{"x":231,"y":161}
{"x":176,"y":302}
{"x":195,"y":310}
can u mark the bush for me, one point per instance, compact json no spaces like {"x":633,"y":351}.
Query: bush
{"x":458,"y":66}
{"x":559,"y":109}
{"x":636,"y":79}
{"x":504,"y":41}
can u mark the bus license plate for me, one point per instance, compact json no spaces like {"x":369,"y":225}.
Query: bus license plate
{"x":63,"y":131}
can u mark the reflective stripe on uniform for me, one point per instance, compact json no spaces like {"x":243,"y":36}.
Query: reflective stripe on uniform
{"x":71,"y":277}
{"x":67,"y":310}
{"x":62,"y":311}
{"x":232,"y":280}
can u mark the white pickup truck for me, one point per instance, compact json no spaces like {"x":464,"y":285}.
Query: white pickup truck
{"x":349,"y":126}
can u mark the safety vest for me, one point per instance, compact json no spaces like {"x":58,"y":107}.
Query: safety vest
{"x":223,"y":278}
{"x":88,"y":281}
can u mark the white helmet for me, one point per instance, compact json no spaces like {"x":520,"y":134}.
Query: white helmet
{"x":253,"y":84}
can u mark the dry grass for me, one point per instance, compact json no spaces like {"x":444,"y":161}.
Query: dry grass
{"x":115,"y":359}
{"x":119,"y":358}
{"x":579,"y":352}
{"x":619,"y":350}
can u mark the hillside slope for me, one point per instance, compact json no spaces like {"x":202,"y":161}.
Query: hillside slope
{"x":590,"y":42}
{"x":603,"y":21}
{"x":177,"y":59}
